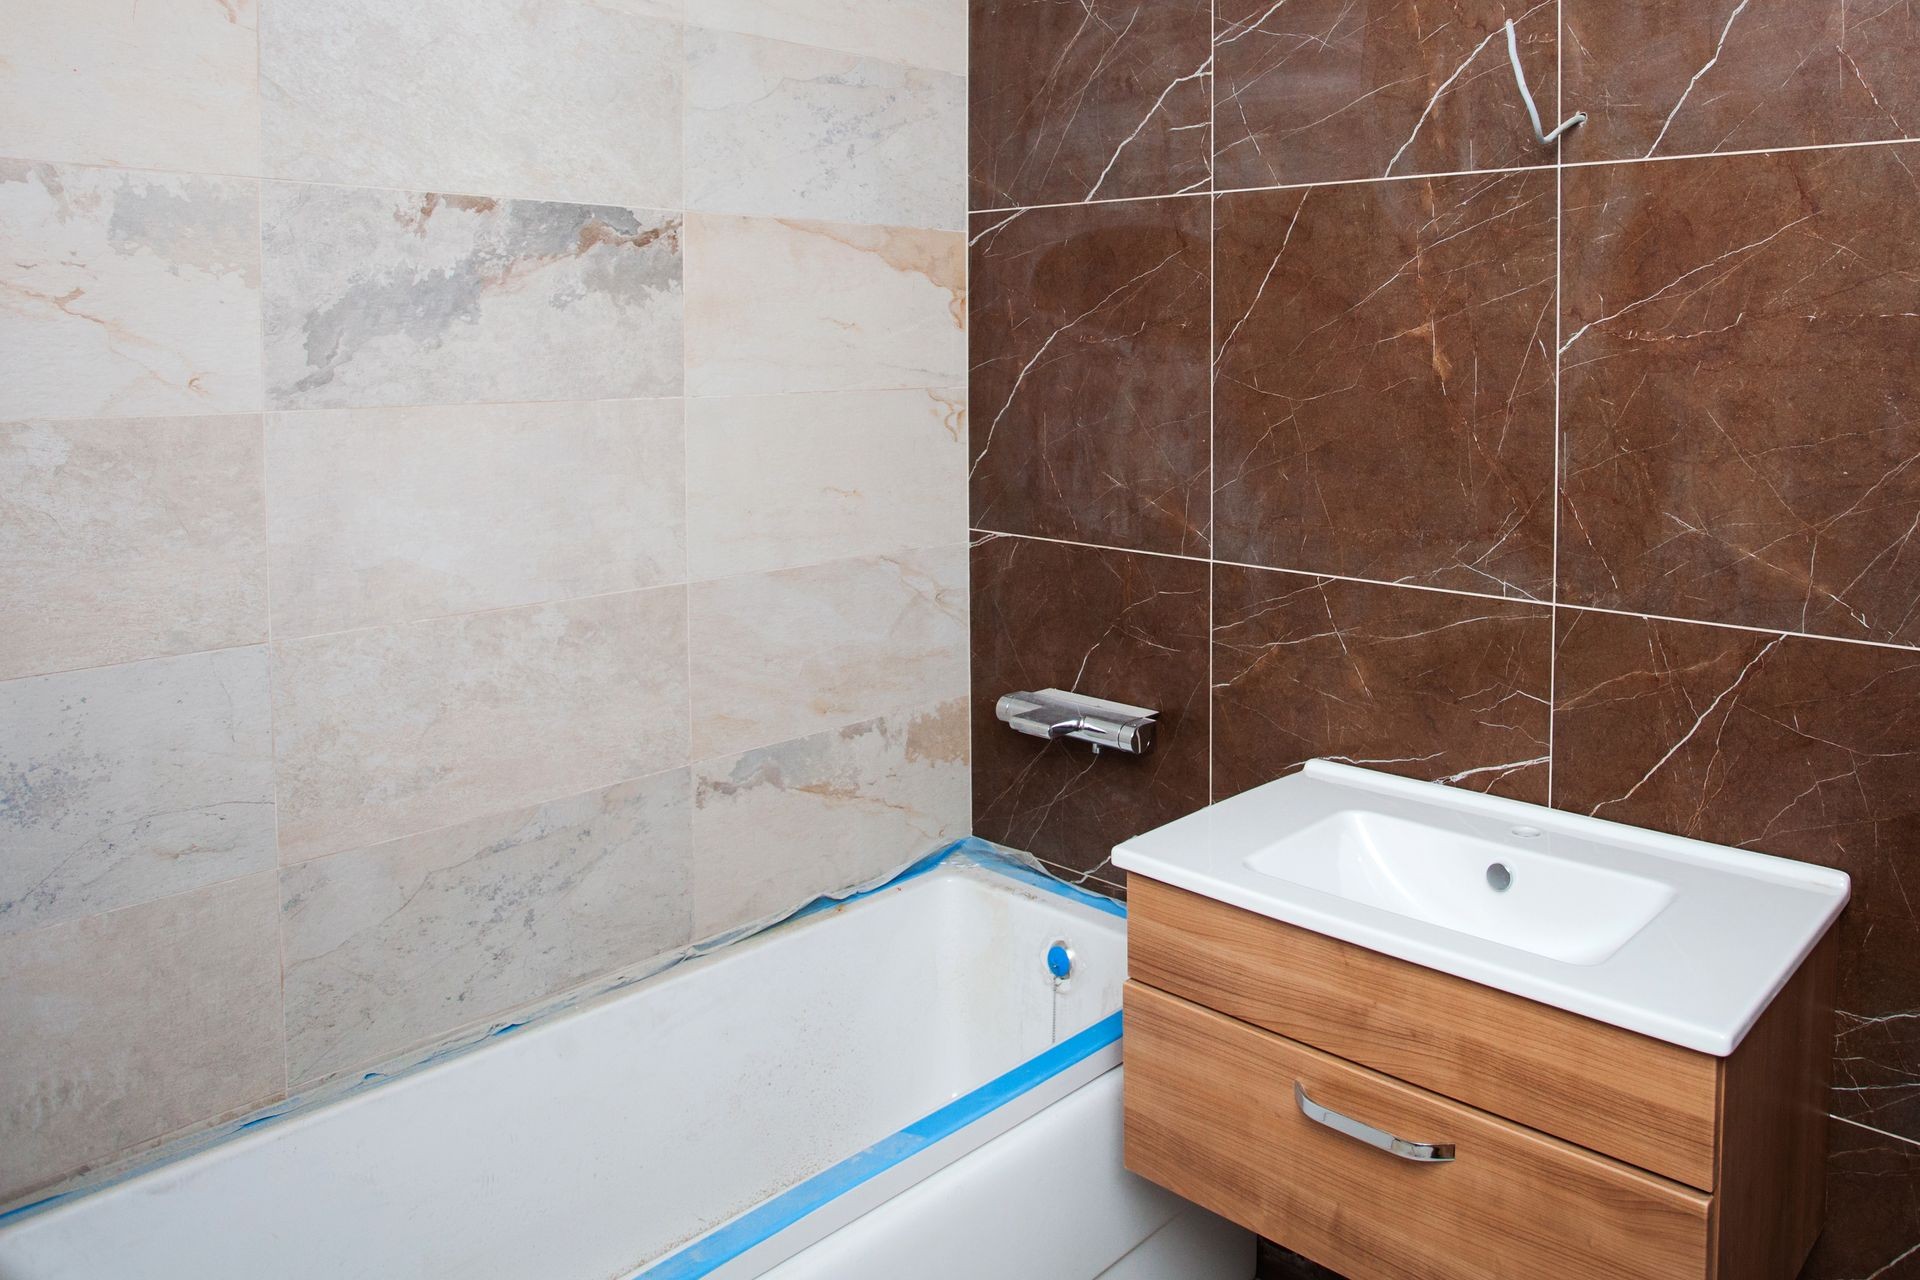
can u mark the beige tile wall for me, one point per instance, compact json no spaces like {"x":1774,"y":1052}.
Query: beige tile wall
{"x":471,"y":471}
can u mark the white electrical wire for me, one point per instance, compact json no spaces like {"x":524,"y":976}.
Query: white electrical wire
{"x":1526,"y":94}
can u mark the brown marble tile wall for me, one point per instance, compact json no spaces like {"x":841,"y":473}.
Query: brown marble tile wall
{"x":1423,"y":302}
{"x":1677,"y":77}
{"x":1421,"y":683}
{"x":1587,"y":475}
{"x":1739,"y":396}
{"x":1097,"y":99}
{"x":1089,"y":383}
{"x":1115,"y":624}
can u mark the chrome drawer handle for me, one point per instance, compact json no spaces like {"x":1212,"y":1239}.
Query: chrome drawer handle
{"x":1422,"y":1152}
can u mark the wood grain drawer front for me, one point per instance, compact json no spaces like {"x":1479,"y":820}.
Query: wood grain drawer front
{"x":1211,"y":1115}
{"x":1637,"y":1099}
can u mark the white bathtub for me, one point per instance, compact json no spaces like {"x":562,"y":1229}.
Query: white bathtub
{"x":892,"y":1086}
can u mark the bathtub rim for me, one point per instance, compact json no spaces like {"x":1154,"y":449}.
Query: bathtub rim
{"x":968,"y":851}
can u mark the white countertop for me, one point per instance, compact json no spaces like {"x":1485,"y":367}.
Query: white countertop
{"x":1677,"y":939}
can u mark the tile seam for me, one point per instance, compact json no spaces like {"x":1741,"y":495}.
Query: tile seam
{"x":989,"y":534}
{"x":1543,"y":167}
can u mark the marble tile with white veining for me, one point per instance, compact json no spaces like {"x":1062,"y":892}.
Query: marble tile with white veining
{"x":129,"y":538}
{"x":1789,"y":745}
{"x":394,"y":515}
{"x":779,"y":481}
{"x":164,"y":84}
{"x":125,"y":1027}
{"x":394,"y":297}
{"x":398,"y":730}
{"x":563,"y":100}
{"x":1873,"y":1208}
{"x":822,"y":306}
{"x":792,"y":131}
{"x":403,"y":943}
{"x":1738,"y":420}
{"x":1425,"y":684}
{"x":850,"y":804}
{"x":1114,"y":624}
{"x":1090,"y":334}
{"x":119,"y":785}
{"x":1088,"y":99}
{"x":922,"y":33}
{"x":1330,"y":91}
{"x":1679,"y":77}
{"x":782,"y":655}
{"x":127,"y":293}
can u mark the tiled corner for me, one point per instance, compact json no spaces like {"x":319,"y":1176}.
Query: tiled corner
{"x":163,"y":84}
{"x":1424,"y":684}
{"x":129,"y":293}
{"x":795,"y":131}
{"x":822,"y":306}
{"x":1784,"y":744}
{"x":1327,"y":91}
{"x":395,"y":515}
{"x":773,"y":826}
{"x":1096,"y":100}
{"x":125,"y":1027}
{"x":1383,"y":395}
{"x":394,"y":946}
{"x":398,"y":730}
{"x":1089,"y":381}
{"x":1669,"y":77}
{"x":564,"y":100}
{"x":1113,"y":624}
{"x":776,"y":482}
{"x":1740,"y":427}
{"x":788,"y":654}
{"x":398,"y":298}
{"x":129,"y":538}
{"x":129,"y":783}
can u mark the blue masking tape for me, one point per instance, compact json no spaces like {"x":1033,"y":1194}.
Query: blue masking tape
{"x":774,"y":1216}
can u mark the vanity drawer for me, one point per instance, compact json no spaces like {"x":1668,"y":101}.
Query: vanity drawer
{"x":1637,"y":1099}
{"x":1211,"y":1114}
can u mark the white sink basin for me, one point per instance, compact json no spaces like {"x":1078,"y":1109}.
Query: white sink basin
{"x":1547,"y":904}
{"x":1677,"y":939}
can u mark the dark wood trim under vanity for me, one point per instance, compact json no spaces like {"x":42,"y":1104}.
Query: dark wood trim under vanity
{"x":1583,"y":1150}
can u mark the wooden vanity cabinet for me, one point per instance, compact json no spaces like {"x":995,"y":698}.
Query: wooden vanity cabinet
{"x":1577,"y":1149}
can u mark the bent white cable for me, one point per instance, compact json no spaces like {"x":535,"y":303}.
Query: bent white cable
{"x":1526,"y":95}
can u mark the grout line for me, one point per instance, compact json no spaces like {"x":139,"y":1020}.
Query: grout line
{"x":573,"y":793}
{"x":1472,"y":595}
{"x":1213,"y":358}
{"x":1901,"y":1138}
{"x":1469,"y":173}
{"x":1553,"y":491}
{"x":395,"y":624}
{"x":266,"y":552}
{"x":688,"y":267}
{"x":681,"y":210}
{"x":966,"y":419}
{"x":453,"y":406}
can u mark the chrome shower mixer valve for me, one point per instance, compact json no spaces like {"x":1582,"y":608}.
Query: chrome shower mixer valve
{"x":1055,"y":713}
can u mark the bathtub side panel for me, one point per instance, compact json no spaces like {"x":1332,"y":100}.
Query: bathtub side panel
{"x":1047,"y":1200}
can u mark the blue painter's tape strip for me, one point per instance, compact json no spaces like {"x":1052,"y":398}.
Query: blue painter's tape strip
{"x":985,"y":855}
{"x":776,"y":1215}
